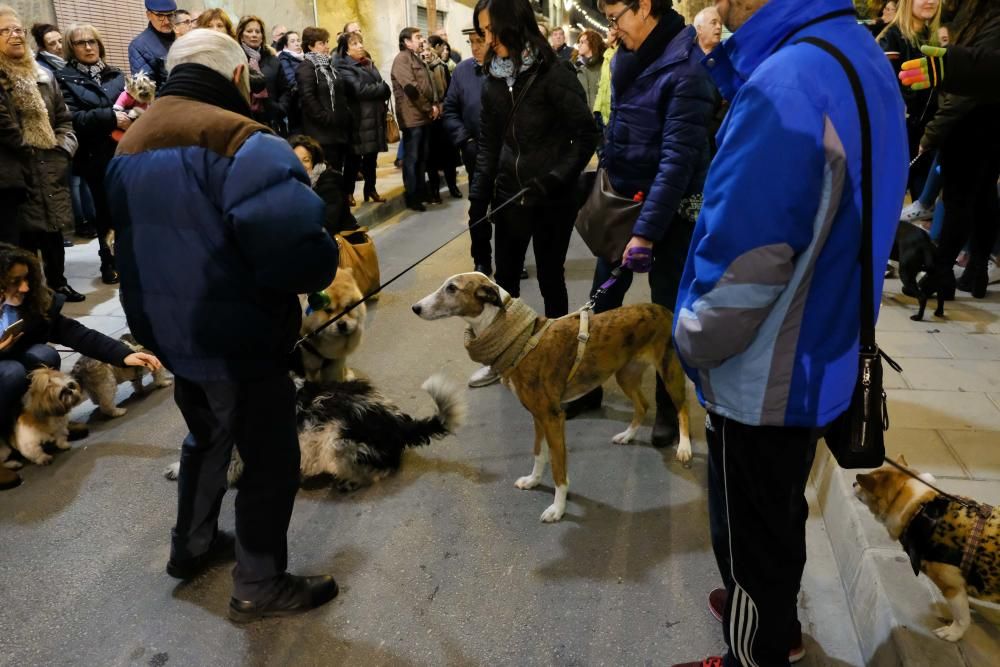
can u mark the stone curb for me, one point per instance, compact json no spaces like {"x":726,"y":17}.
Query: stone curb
{"x":372,"y":215}
{"x":893,"y":611}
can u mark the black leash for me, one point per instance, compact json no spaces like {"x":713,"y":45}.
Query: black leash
{"x":485,"y":218}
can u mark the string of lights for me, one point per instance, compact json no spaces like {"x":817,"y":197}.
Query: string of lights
{"x":597,"y":25}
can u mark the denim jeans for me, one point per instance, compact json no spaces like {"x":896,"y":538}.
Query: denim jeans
{"x":416,"y":144}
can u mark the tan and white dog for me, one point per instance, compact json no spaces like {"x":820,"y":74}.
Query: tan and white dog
{"x":44,"y":417}
{"x":324,"y":356}
{"x":953,"y":540}
{"x":622,"y":342}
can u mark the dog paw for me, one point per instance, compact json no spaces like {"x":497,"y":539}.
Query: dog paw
{"x":42,"y":459}
{"x":684,"y":454}
{"x":527,"y":482}
{"x":62,"y":444}
{"x":552,"y":513}
{"x":164,"y":383}
{"x":950,"y":633}
{"x":173,"y":471}
{"x":13,"y":465}
{"x":113,"y":412}
{"x":624,"y":438}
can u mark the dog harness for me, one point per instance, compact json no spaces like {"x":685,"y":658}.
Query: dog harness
{"x":949,"y":529}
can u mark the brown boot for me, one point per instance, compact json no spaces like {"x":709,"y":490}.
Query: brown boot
{"x":8,"y":479}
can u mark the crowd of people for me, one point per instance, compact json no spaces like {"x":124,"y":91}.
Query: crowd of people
{"x":742,"y":162}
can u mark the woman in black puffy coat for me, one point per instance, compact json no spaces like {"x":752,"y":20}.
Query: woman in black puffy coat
{"x":368,"y":95}
{"x":90,"y":88}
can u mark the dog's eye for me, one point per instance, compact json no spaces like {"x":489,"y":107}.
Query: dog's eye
{"x":451,"y":289}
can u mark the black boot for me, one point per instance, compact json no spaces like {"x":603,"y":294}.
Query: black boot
{"x":665,"y":428}
{"x":413,"y":203}
{"x":973,"y":280}
{"x":589,"y":401}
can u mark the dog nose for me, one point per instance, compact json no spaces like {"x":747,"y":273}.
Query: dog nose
{"x":416,"y":308}
{"x":342,"y":326}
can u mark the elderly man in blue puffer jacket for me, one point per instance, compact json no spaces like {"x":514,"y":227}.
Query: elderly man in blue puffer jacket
{"x":218,"y":231}
{"x":657,"y":144}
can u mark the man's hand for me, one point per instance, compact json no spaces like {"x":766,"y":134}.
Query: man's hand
{"x":637,"y":242}
{"x":8,"y":341}
{"x":122,"y":120}
{"x":435,"y":111}
{"x":922,"y":73}
{"x":143,"y":359}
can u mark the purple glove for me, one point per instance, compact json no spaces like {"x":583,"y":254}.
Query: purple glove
{"x":639,"y":260}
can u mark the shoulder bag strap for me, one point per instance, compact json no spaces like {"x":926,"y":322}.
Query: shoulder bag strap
{"x":867,"y":202}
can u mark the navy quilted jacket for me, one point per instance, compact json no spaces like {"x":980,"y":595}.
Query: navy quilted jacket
{"x":657,"y":136}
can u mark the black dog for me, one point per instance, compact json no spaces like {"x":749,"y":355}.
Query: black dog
{"x":916,"y":255}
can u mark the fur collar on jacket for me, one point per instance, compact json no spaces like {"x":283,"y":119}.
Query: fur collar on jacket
{"x":21,"y":79}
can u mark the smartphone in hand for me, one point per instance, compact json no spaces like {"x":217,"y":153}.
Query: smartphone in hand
{"x":13,"y":330}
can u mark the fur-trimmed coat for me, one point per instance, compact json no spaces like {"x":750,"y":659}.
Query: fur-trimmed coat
{"x":48,"y":207}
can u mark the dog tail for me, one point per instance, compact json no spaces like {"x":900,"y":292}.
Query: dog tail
{"x":449,"y":416}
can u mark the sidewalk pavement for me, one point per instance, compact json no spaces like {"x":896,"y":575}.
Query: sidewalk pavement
{"x":944,"y":412}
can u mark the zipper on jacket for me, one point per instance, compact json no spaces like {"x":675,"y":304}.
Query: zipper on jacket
{"x":517,"y":148}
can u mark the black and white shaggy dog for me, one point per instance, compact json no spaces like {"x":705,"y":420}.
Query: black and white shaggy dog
{"x":351,"y":432}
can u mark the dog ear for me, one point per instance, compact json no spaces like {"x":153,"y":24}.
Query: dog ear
{"x":489,"y":294}
{"x":901,"y":460}
{"x":866,"y":481}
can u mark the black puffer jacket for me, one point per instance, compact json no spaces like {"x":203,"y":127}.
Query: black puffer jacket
{"x":367,"y":94}
{"x":325,"y":118}
{"x":62,"y":330}
{"x":551,"y":138}
{"x":976,"y":25}
{"x":91,"y":104}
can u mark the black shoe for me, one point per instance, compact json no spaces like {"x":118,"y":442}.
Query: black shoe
{"x":589,"y":401}
{"x":67,"y":243}
{"x":8,"y":479}
{"x":524,"y":274}
{"x":293,"y":595}
{"x":974,"y":281}
{"x":222,"y":549}
{"x":71,"y":294}
{"x":485,"y":269}
{"x":666,"y":432}
{"x":85,"y":230}
{"x":455,"y":192}
{"x":108,"y":275}
{"x":435,"y":199}
{"x":414,"y":203}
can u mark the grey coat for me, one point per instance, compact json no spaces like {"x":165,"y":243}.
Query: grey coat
{"x":367,"y":94}
{"x":48,"y":207}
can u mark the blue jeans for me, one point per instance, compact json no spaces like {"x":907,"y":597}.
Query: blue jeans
{"x":14,"y":379}
{"x":83,"y":201}
{"x":416,"y":145}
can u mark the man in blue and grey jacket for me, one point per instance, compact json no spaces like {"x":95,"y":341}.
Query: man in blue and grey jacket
{"x":461,"y":118}
{"x":768,"y":314}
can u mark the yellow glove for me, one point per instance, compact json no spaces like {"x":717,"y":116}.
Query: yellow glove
{"x":922,"y":73}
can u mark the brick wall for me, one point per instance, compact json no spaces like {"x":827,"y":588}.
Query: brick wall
{"x":119,"y":21}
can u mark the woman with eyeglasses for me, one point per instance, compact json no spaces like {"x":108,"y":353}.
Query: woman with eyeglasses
{"x":537,"y":134}
{"x":90,"y":87}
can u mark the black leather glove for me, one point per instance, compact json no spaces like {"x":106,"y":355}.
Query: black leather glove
{"x":469,"y":151}
{"x":543,"y":187}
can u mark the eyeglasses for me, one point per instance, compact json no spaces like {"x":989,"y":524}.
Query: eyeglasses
{"x":161,"y":15}
{"x":613,"y":20}
{"x":185,"y":22}
{"x":90,"y":43}
{"x":12,"y":32}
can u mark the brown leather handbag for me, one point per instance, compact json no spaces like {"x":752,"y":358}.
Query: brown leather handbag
{"x":606,"y":219}
{"x":391,"y":127}
{"x":357,"y":252}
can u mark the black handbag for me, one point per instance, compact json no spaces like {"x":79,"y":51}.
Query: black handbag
{"x":857,"y":437}
{"x":606,"y":219}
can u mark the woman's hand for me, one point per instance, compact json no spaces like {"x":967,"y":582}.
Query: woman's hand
{"x":636,"y":242}
{"x":123,"y":120}
{"x":143,"y":359}
{"x":8,"y":341}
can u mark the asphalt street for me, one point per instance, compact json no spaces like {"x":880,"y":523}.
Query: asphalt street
{"x":445,"y":563}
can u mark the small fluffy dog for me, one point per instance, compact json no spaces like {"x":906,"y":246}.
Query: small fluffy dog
{"x":324,"y":357}
{"x":916,"y":256}
{"x":100,"y":380}
{"x":935,"y":530}
{"x":139,"y":93}
{"x":551,"y":367}
{"x":351,"y":432}
{"x":44,"y":417}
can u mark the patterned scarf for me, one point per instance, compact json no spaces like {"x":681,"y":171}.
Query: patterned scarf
{"x":256,"y":99}
{"x":316,"y":172}
{"x":93,"y":71}
{"x":20,"y":78}
{"x":503,"y":68}
{"x":321,"y":62}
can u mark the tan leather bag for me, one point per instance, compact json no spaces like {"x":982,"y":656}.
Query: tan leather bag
{"x":391,"y":128}
{"x":357,"y":252}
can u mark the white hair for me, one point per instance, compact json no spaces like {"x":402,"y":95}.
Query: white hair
{"x":214,"y":50}
{"x":699,"y":18}
{"x":7,"y":10}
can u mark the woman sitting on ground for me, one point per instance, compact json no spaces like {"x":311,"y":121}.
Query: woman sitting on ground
{"x":327,"y":182}
{"x":25,"y":297}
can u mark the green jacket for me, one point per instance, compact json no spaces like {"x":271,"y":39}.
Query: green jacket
{"x":602,"y":103}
